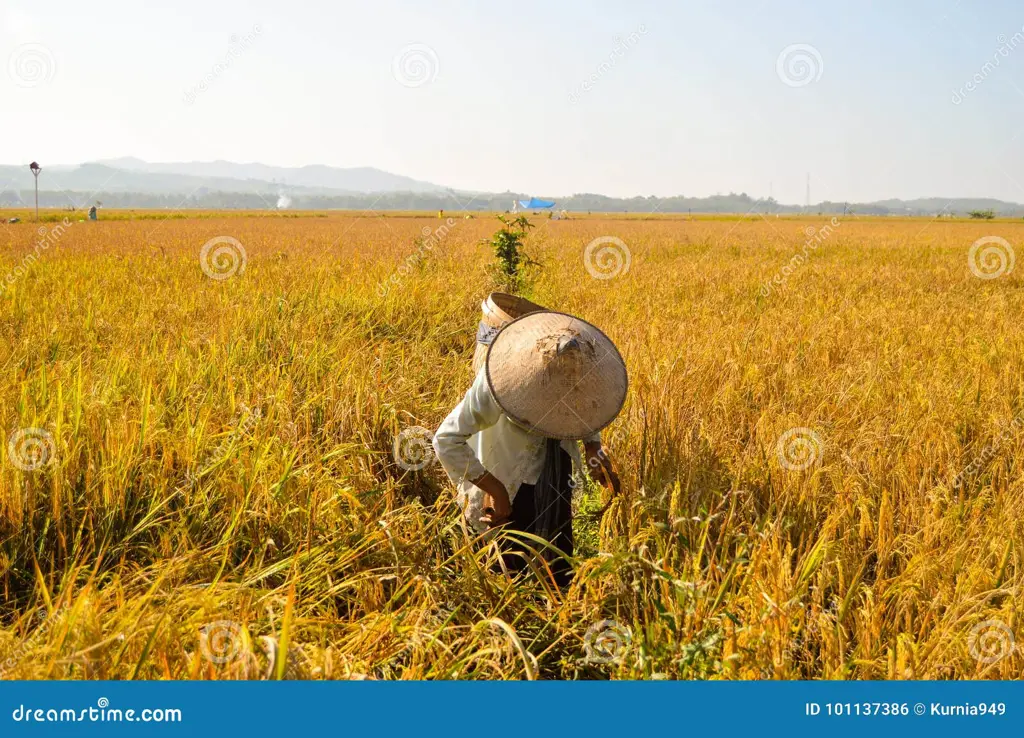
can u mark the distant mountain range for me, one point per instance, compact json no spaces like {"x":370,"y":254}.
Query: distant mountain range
{"x":135,"y":175}
{"x":311,"y":177}
{"x":133,"y":183}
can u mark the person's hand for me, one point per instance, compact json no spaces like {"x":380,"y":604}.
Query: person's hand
{"x":600,"y":467}
{"x":496,"y":506}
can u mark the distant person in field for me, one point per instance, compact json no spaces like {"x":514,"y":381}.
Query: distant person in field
{"x":548,"y":381}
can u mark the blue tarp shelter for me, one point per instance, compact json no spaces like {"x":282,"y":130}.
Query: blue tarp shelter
{"x":535,"y":202}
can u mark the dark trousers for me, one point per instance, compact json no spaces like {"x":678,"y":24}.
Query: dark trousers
{"x":528,"y":507}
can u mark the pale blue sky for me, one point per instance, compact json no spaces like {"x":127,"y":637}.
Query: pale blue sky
{"x":694,"y":105}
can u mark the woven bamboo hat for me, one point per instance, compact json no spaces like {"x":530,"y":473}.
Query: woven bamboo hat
{"x":556,"y":375}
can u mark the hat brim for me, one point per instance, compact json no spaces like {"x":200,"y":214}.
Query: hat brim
{"x":564,"y":398}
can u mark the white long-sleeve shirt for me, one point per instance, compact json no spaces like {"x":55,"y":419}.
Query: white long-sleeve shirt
{"x":477,"y":437}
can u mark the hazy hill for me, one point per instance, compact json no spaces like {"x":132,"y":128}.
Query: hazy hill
{"x":948,"y":204}
{"x":135,"y":175}
{"x":102,"y":178}
{"x":314,"y":176}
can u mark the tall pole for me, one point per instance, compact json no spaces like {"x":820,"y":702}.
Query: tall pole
{"x":36,"y":169}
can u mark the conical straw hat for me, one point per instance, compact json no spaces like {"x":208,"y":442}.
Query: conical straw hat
{"x":556,"y":375}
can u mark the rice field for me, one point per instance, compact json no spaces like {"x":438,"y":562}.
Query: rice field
{"x":212,"y":463}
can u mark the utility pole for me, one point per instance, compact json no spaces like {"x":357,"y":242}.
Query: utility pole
{"x":36,"y":169}
{"x":808,"y":201}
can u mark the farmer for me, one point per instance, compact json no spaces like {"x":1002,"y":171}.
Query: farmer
{"x":549,"y":381}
